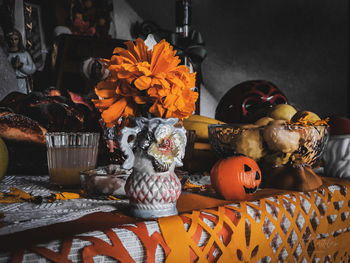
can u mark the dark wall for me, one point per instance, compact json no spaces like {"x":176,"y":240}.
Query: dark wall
{"x":300,"y":45}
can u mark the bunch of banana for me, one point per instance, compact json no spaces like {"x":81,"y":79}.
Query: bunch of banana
{"x":200,"y":124}
{"x":203,"y":157}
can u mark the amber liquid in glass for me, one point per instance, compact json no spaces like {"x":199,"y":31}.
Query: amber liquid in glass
{"x":66,"y":163}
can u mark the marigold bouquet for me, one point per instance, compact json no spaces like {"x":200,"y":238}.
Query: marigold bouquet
{"x":145,"y":82}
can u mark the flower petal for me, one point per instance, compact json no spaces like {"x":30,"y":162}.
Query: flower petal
{"x":143,"y":82}
{"x":124,"y":89}
{"x":106,"y":85}
{"x":117,"y":50}
{"x":133,"y":50}
{"x":153,"y":92}
{"x":128,"y":55}
{"x":169,"y":102}
{"x":129,"y":111}
{"x":105,"y":93}
{"x":163,"y":58}
{"x":140,"y":99}
{"x":103,"y":104}
{"x":113,"y":113}
{"x":157,"y":109}
{"x":145,"y":54}
{"x":144,"y":68}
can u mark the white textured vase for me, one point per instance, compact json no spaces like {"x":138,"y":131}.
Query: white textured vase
{"x":153,"y":194}
{"x":155,"y":148}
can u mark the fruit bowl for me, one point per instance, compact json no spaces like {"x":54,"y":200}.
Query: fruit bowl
{"x":280,"y":147}
{"x":277,"y":144}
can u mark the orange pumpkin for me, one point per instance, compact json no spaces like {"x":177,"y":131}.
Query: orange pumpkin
{"x":235,"y":177}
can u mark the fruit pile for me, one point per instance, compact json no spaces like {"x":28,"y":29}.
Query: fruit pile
{"x":285,"y":135}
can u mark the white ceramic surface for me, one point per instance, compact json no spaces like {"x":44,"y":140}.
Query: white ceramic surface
{"x":337,"y":157}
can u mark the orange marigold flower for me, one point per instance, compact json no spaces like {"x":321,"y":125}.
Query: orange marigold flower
{"x":146,"y":77}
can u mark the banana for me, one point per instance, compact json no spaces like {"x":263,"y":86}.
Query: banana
{"x":205,"y":119}
{"x":200,"y":125}
{"x":201,"y":129}
{"x":202,"y":146}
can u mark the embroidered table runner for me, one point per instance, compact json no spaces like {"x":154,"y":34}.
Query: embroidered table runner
{"x":274,"y":225}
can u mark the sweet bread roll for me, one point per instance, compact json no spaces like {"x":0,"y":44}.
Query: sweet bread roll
{"x":25,"y":141}
{"x":21,"y":128}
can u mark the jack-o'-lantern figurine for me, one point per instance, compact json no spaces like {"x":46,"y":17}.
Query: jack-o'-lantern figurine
{"x":235,"y":177}
{"x":248,"y":101}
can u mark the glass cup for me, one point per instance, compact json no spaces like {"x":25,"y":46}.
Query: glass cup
{"x":70,"y":153}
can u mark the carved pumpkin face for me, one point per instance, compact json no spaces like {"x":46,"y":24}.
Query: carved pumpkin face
{"x":236,"y":177}
{"x":248,"y":101}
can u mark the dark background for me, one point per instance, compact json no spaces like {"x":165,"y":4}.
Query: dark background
{"x":300,"y":45}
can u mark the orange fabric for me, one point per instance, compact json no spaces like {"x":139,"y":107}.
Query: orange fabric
{"x":95,"y":221}
{"x":17,"y":256}
{"x":175,"y":237}
{"x":274,"y":225}
{"x":288,"y":227}
{"x":190,"y":202}
{"x":61,"y":257}
{"x":99,"y":247}
{"x":149,"y":243}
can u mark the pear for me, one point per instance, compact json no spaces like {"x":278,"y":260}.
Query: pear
{"x":282,"y":112}
{"x":264,"y":121}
